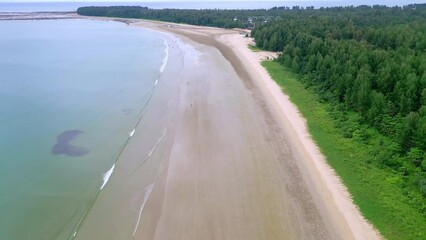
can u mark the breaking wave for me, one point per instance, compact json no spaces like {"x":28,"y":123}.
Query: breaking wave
{"x":166,"y":57}
{"x":107,"y":175}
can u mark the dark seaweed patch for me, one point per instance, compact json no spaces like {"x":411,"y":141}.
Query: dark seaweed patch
{"x":63,"y":145}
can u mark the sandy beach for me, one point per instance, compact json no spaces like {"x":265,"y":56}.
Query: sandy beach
{"x":235,"y":161}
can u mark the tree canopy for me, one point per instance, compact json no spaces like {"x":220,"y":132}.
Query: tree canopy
{"x":369,"y":60}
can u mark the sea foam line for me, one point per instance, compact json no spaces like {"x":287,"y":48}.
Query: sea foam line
{"x":107,"y":175}
{"x":166,"y":57}
{"x":158,"y":142}
{"x":148,"y":191}
{"x":132,"y":132}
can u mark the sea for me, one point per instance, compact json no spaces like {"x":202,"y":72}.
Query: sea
{"x":71,"y":95}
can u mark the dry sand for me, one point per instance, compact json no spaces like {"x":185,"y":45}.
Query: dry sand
{"x":240,"y":163}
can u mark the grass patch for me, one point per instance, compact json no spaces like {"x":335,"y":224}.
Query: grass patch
{"x":392,"y":208}
{"x":254,"y":48}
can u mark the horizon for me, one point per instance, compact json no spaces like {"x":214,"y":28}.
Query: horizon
{"x":356,"y":2}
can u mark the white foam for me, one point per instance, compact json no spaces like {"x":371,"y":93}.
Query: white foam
{"x":152,"y":151}
{"x":166,"y":57}
{"x":158,"y":142}
{"x":132,"y":132}
{"x":107,"y":175}
{"x":156,"y":81}
{"x":148,"y":191}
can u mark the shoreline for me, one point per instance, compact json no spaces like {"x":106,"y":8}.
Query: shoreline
{"x":119,"y":206}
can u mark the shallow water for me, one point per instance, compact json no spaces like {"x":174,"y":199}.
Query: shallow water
{"x":71,"y":91}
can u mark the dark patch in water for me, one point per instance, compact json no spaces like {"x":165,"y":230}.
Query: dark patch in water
{"x":63,"y":145}
{"x":126,"y":111}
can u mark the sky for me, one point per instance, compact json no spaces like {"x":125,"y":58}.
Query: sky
{"x":166,"y":0}
{"x":354,"y":2}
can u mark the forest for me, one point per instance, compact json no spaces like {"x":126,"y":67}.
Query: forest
{"x":203,"y":17}
{"x":224,"y":18}
{"x":367,"y":62}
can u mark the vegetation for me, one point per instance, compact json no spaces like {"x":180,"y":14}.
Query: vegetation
{"x":383,"y":196}
{"x":371,"y":61}
{"x":254,"y":48}
{"x":205,"y":17}
{"x":367,"y":66}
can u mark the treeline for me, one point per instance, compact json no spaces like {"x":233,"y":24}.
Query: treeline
{"x":368,"y":60}
{"x":204,"y":17}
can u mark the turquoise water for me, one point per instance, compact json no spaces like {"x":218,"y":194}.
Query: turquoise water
{"x":88,"y":80}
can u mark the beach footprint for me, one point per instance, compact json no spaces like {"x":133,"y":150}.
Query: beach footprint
{"x":63,"y":145}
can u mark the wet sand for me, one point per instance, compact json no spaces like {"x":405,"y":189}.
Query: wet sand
{"x":236,"y":161}
{"x":243,"y":165}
